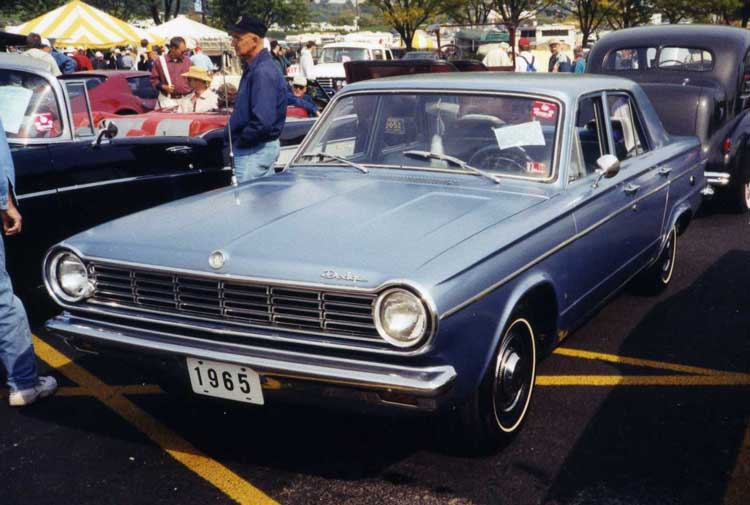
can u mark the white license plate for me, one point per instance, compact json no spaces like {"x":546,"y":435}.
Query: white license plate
{"x":225,"y":380}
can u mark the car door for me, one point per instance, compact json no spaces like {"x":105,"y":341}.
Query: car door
{"x":104,"y":179}
{"x":617,"y":219}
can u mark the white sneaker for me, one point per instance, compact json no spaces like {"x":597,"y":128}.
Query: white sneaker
{"x":45,"y":386}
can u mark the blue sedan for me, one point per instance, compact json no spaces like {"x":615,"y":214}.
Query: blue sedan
{"x":433,"y":237}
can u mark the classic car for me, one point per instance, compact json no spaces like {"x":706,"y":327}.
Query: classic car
{"x":432,"y":238}
{"x":329,"y":71}
{"x":698,"y":79}
{"x":117,"y":91}
{"x":70,"y":176}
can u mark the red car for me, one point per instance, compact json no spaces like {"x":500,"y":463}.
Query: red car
{"x":119,"y":92}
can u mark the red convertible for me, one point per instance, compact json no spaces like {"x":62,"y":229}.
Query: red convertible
{"x":118,"y":92}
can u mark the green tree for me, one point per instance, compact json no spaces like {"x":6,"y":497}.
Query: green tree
{"x":283,"y":12}
{"x":516,"y":12}
{"x":590,"y":14}
{"x":20,"y":11}
{"x":472,"y":12}
{"x":628,"y":13}
{"x":406,"y":16}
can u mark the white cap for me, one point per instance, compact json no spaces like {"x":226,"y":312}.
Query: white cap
{"x":45,"y":42}
{"x":99,"y":54}
{"x":299,"y":80}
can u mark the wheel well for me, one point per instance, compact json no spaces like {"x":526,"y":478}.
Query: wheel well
{"x":683,"y":221}
{"x":540,"y":304}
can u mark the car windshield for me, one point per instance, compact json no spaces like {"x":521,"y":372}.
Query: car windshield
{"x":342,"y":54}
{"x":507,"y":136}
{"x":30,"y":108}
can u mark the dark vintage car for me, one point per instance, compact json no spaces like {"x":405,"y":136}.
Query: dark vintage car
{"x":118,"y":91}
{"x":433,"y":237}
{"x":698,"y":78}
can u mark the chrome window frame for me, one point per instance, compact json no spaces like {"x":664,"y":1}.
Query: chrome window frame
{"x":556,"y":154}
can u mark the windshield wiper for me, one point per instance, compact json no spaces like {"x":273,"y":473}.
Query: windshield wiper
{"x":451,"y":159}
{"x":323,"y":156}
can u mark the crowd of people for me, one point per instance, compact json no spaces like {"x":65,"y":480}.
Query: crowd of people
{"x":498,"y":56}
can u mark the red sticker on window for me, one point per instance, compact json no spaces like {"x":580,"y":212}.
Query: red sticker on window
{"x":43,"y":122}
{"x":544,"y":110}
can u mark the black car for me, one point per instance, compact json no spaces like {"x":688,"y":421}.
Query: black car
{"x":698,"y":79}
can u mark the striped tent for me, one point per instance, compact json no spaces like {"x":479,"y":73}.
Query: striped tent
{"x":79,"y":24}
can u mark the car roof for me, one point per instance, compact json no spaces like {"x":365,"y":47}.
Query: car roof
{"x":566,"y":87}
{"x":704,"y":36}
{"x":19,"y":60}
{"x":355,"y":45}
{"x":107,"y":73}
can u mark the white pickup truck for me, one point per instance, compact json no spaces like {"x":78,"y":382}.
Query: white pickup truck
{"x":329,"y":72}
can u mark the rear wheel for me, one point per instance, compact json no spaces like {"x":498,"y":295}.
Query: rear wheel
{"x":496,"y":411}
{"x":657,"y":277}
{"x":737,"y":194}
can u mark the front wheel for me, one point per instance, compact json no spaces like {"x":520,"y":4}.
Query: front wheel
{"x":496,"y":411}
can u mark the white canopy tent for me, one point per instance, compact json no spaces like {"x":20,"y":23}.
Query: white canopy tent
{"x":188,"y":29}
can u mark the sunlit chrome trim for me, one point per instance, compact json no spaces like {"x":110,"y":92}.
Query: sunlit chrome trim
{"x":561,"y":245}
{"x":719,"y":179}
{"x":560,"y":125}
{"x":135,"y":313}
{"x":54,"y":282}
{"x":429,"y":381}
{"x":36,"y":194}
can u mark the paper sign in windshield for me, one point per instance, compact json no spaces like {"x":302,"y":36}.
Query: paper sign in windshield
{"x":15,"y":100}
{"x":517,"y":135}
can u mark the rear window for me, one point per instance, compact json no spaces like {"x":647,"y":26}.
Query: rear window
{"x":689,"y":59}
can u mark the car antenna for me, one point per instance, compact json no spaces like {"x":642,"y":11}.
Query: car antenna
{"x":225,"y":58}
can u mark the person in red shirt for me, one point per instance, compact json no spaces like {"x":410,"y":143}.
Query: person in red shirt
{"x":177,"y":64}
{"x":82,"y":61}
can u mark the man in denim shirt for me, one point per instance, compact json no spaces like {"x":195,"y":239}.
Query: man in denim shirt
{"x":260,"y":110}
{"x":16,"y":349}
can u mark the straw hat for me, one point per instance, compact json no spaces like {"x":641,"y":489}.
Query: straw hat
{"x":198,"y":73}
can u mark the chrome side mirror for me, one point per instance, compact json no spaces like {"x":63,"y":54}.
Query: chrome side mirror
{"x":609,"y":166}
{"x":109,"y":133}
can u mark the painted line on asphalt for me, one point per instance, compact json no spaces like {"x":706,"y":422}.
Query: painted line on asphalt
{"x":209,"y":469}
{"x":642,"y":380}
{"x":661,"y":365}
{"x":738,"y":489}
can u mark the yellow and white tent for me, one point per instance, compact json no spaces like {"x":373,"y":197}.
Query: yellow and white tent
{"x":79,"y":24}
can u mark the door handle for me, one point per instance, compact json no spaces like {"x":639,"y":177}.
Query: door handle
{"x":631,"y":189}
{"x":665,"y":171}
{"x":180,"y":149}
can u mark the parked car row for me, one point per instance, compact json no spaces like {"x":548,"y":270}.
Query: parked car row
{"x":430,"y":240}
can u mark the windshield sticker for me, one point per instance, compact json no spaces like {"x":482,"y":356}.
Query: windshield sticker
{"x":395,"y":125}
{"x":544,"y":110}
{"x":15,"y":100}
{"x":536,"y":168}
{"x":43,"y":122}
{"x":517,"y":135}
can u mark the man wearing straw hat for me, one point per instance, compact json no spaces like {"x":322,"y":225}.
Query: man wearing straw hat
{"x":202,"y":99}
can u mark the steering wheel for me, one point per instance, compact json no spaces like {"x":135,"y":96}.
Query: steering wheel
{"x":494,"y":158}
{"x":672,"y":61}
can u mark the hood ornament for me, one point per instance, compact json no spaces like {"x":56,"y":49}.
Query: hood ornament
{"x":217,"y":259}
{"x":348,"y":276}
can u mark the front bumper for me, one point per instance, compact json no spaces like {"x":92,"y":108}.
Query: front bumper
{"x":421,"y":388}
{"x":718,"y":179}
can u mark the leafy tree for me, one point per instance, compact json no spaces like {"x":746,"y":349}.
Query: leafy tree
{"x":406,"y":16}
{"x":20,"y":11}
{"x":628,"y":13}
{"x":516,"y":12}
{"x":675,"y":11}
{"x":472,"y":12}
{"x":283,"y":12}
{"x":590,"y":14}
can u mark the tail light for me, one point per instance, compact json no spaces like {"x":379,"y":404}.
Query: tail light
{"x":726,"y":147}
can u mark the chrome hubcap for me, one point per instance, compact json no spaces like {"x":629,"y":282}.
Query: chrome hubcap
{"x":669,"y":253}
{"x":747,"y":195}
{"x":514,"y":376}
{"x":510,"y":378}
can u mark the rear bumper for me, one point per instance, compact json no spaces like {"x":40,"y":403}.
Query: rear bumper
{"x":421,"y":388}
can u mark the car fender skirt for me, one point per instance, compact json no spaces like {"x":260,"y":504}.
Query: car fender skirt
{"x":424,"y":382}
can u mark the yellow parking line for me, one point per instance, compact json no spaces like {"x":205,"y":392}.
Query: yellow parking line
{"x":642,"y":380}
{"x":661,"y":365}
{"x":214,"y":472}
{"x":738,"y":489}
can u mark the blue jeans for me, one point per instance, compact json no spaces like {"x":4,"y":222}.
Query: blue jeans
{"x":16,"y":349}
{"x":257,"y":161}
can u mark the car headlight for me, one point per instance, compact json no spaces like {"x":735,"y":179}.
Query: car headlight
{"x":68,"y":277}
{"x":401,"y":318}
{"x":339,"y":83}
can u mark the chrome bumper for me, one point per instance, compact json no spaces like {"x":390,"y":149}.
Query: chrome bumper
{"x":719,"y":179}
{"x":419,"y":382}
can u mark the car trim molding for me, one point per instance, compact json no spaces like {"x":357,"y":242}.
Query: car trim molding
{"x":560,"y":246}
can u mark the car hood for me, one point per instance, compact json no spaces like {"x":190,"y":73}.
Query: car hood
{"x":298,"y":226}
{"x":335,"y":70}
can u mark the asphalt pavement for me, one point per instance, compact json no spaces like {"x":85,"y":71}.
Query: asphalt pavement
{"x":648,"y":403}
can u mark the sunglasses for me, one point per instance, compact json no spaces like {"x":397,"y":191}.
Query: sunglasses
{"x":297,"y":86}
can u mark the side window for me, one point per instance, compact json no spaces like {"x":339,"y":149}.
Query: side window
{"x":590,"y":143}
{"x":626,"y":130}
{"x":80,"y":109}
{"x":388,"y":55}
{"x":29,"y":106}
{"x":377,"y":54}
{"x":141,"y":87}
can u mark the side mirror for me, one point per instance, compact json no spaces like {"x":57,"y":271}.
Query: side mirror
{"x":609,"y":166}
{"x":109,"y":133}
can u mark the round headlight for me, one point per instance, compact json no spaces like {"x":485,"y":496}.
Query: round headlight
{"x":69,"y":278}
{"x":401,"y":317}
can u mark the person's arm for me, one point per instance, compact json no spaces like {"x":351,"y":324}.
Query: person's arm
{"x":9,"y":214}
{"x":155,"y":77}
{"x":264,"y":91}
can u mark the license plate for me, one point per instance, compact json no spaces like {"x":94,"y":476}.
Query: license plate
{"x":225,"y":380}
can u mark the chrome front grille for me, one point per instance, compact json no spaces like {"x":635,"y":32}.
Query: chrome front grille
{"x":326,"y":82}
{"x":337,"y":314}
